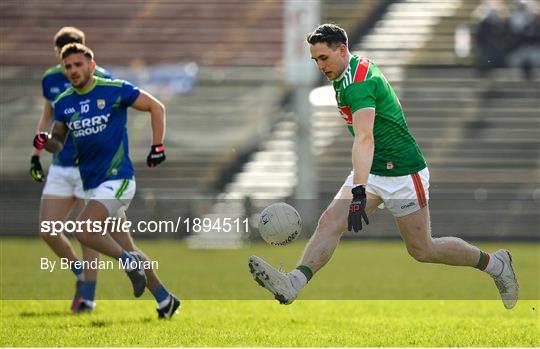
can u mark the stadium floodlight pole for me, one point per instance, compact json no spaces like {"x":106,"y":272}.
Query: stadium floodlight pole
{"x":300,"y":17}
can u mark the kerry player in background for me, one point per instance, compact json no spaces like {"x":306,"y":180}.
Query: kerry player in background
{"x":388,"y":168}
{"x":94,"y":111}
{"x":63,"y":191}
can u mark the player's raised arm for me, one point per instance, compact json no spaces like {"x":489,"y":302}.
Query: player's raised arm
{"x":147,"y":102}
{"x":53,"y":142}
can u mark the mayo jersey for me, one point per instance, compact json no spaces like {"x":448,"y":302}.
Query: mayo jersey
{"x":362,"y":85}
{"x":53,"y":83}
{"x":96,"y":119}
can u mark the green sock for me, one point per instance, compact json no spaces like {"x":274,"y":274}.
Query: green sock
{"x":482,"y":261}
{"x":306,"y":271}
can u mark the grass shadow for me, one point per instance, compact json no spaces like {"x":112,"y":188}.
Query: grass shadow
{"x":32,"y":314}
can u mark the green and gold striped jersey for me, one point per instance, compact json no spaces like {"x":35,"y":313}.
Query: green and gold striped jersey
{"x":362,"y":85}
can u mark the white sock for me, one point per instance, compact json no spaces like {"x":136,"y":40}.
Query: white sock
{"x":298,"y":279}
{"x":89,"y":303}
{"x":495,"y":266}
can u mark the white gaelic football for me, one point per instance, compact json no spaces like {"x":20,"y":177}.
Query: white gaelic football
{"x":279,"y":224}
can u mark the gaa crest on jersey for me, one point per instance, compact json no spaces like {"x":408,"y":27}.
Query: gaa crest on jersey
{"x":100,"y":103}
{"x":68,"y":111}
{"x":389,"y":165}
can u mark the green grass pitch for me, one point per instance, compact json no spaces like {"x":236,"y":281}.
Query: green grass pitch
{"x":371,"y":294}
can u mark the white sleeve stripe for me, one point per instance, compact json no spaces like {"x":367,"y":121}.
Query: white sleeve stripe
{"x":366,"y":108}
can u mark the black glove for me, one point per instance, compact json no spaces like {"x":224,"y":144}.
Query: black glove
{"x":41,"y":139}
{"x":156,"y":156}
{"x":357,"y":209}
{"x":36,"y":171}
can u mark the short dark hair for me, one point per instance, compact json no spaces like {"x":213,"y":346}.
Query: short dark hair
{"x":70,"y":49}
{"x":68,"y":35}
{"x":331,"y":34}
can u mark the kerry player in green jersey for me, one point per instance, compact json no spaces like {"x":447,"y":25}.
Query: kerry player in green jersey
{"x":388,"y":168}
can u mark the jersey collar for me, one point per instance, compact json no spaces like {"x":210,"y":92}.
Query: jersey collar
{"x":85,"y":91}
{"x":346,"y":70}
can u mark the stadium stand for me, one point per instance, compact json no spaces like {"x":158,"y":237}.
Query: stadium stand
{"x":210,"y":32}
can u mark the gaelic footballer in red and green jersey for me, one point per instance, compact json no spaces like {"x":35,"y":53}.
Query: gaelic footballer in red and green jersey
{"x":362,"y":85}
